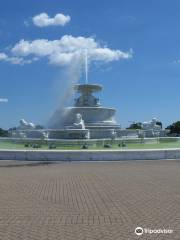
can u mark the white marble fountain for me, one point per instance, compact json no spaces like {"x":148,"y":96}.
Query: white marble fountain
{"x":86,"y":119}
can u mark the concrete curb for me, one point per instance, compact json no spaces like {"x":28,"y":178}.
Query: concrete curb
{"x":89,"y":155}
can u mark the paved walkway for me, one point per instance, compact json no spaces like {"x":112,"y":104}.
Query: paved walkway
{"x":89,"y":201}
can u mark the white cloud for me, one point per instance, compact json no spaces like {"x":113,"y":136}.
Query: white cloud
{"x":3,"y":56}
{"x":26,"y":23}
{"x":44,"y":20}
{"x":15,"y":60}
{"x":176,"y":61}
{"x":3,"y":100}
{"x":67,"y":50}
{"x":108,"y":55}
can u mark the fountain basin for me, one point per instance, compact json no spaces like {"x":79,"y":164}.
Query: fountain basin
{"x":92,"y":116}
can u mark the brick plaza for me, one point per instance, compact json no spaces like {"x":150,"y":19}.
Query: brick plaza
{"x":88,"y":201}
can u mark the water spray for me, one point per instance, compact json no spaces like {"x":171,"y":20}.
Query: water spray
{"x":86,"y":65}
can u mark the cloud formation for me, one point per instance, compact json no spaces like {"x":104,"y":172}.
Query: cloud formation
{"x":15,"y":60}
{"x":67,"y":50}
{"x":3,"y":100}
{"x":3,"y":56}
{"x":44,"y":20}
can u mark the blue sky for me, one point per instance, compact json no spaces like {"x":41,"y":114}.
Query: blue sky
{"x":144,"y":86}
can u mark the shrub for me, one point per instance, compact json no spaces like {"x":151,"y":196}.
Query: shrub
{"x":107,"y":145}
{"x":85,"y":146}
{"x":35,"y":145}
{"x":52,"y":146}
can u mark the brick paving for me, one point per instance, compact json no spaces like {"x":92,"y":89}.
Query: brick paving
{"x":88,"y":201}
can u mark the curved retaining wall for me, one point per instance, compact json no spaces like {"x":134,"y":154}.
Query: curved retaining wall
{"x":89,"y":155}
{"x":80,"y":142}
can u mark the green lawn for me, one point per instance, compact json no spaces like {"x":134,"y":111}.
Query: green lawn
{"x":154,"y":145}
{"x":11,"y":145}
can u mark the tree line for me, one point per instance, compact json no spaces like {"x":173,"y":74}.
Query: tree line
{"x":173,"y":128}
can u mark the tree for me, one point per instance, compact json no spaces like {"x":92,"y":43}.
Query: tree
{"x":13,"y":129}
{"x":174,"y":127}
{"x":135,"y":125}
{"x":3,"y":133}
{"x":159,"y":123}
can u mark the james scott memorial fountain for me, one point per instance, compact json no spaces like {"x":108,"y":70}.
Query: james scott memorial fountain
{"x":86,"y":119}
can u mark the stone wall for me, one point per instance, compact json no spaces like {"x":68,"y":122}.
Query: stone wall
{"x":89,"y":155}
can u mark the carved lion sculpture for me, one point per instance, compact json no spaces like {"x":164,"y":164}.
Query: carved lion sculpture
{"x":79,"y":122}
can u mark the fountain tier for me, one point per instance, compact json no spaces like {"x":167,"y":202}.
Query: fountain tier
{"x":98,"y":120}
